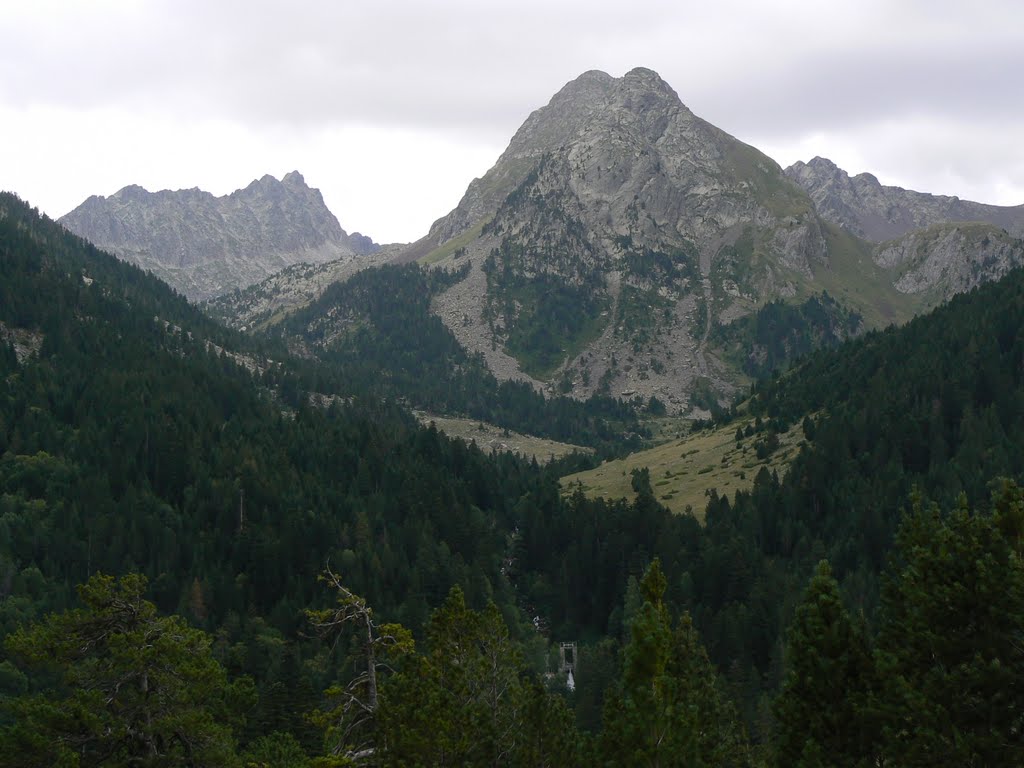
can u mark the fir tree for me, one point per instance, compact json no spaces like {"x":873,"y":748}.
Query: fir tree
{"x":667,"y":711}
{"x":135,"y":688}
{"x":950,"y":647}
{"x":821,"y":709}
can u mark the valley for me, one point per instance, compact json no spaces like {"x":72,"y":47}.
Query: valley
{"x":735,"y":449}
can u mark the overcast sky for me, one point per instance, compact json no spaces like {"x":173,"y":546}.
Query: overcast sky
{"x":392,"y":108}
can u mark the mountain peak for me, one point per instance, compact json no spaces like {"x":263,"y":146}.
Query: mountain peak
{"x":205,"y":245}
{"x":815,"y":170}
{"x":643,"y":93}
{"x":591,"y":76}
{"x":617,"y":199}
{"x":647,"y":78}
{"x":590,"y":86}
{"x":130,"y":192}
{"x":594,"y":86}
{"x":640,"y":104}
{"x":868,"y":178}
{"x":821,"y":164}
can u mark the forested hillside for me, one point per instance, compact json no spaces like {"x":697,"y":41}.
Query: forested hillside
{"x":377,"y":331}
{"x":199,"y":498}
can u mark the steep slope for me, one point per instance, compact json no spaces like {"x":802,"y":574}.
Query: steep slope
{"x":128,"y":446}
{"x":205,"y":246}
{"x":130,"y":443}
{"x":269,"y":300}
{"x":612,"y":233}
{"x":947,"y":259}
{"x":375,"y":335}
{"x":931,"y":246}
{"x":879,"y":213}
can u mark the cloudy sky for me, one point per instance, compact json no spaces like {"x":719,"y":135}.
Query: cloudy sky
{"x":391,"y":107}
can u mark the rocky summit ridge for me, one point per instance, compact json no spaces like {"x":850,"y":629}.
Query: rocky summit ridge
{"x":620,"y":244}
{"x":205,"y":246}
{"x":878,"y":213}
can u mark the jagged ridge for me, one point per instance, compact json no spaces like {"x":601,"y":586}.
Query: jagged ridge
{"x":205,"y":246}
{"x":618,"y":229}
{"x":878,"y":213}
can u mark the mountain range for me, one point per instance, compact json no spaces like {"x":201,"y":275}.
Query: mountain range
{"x":206,"y":246}
{"x":878,"y":213}
{"x":230,"y":502}
{"x":620,"y":245}
{"x":137,"y":435}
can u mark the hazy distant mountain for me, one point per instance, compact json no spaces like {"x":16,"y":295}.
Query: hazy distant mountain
{"x":206,"y":246}
{"x":877,"y":213}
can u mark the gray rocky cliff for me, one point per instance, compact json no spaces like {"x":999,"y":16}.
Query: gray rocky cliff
{"x":948,"y":259}
{"x":268,"y":301}
{"x":205,"y":246}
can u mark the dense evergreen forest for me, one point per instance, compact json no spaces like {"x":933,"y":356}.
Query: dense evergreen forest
{"x":200,"y":567}
{"x":376,"y":335}
{"x":778,"y":334}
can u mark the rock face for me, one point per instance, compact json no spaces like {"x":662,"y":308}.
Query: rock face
{"x":612,"y":233}
{"x":206,"y":246}
{"x":878,"y":213}
{"x":948,"y":259}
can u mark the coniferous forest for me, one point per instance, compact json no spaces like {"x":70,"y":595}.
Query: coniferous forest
{"x":213,"y":553}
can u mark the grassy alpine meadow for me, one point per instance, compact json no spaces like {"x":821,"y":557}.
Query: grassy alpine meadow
{"x":492,"y":437}
{"x":683,"y":471}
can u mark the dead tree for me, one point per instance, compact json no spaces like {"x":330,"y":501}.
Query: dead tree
{"x":350,"y":723}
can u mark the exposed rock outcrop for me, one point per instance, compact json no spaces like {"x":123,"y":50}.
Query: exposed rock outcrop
{"x":294,"y":287}
{"x":948,"y":259}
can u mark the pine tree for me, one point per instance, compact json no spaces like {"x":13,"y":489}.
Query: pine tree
{"x":351,"y":722}
{"x":950,"y":648}
{"x":136,"y":688}
{"x":667,"y":711}
{"x":822,"y":707}
{"x":459,"y":703}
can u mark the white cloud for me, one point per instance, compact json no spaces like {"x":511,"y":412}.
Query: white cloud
{"x":389,"y":183}
{"x":392,"y":107}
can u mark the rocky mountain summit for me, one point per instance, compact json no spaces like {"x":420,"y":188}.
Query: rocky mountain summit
{"x":877,"y":213}
{"x":611,"y":234}
{"x":619,"y":233}
{"x":933,"y":246}
{"x":205,"y":246}
{"x":620,"y":245}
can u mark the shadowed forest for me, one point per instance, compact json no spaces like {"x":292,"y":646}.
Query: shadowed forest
{"x":215,"y":553}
